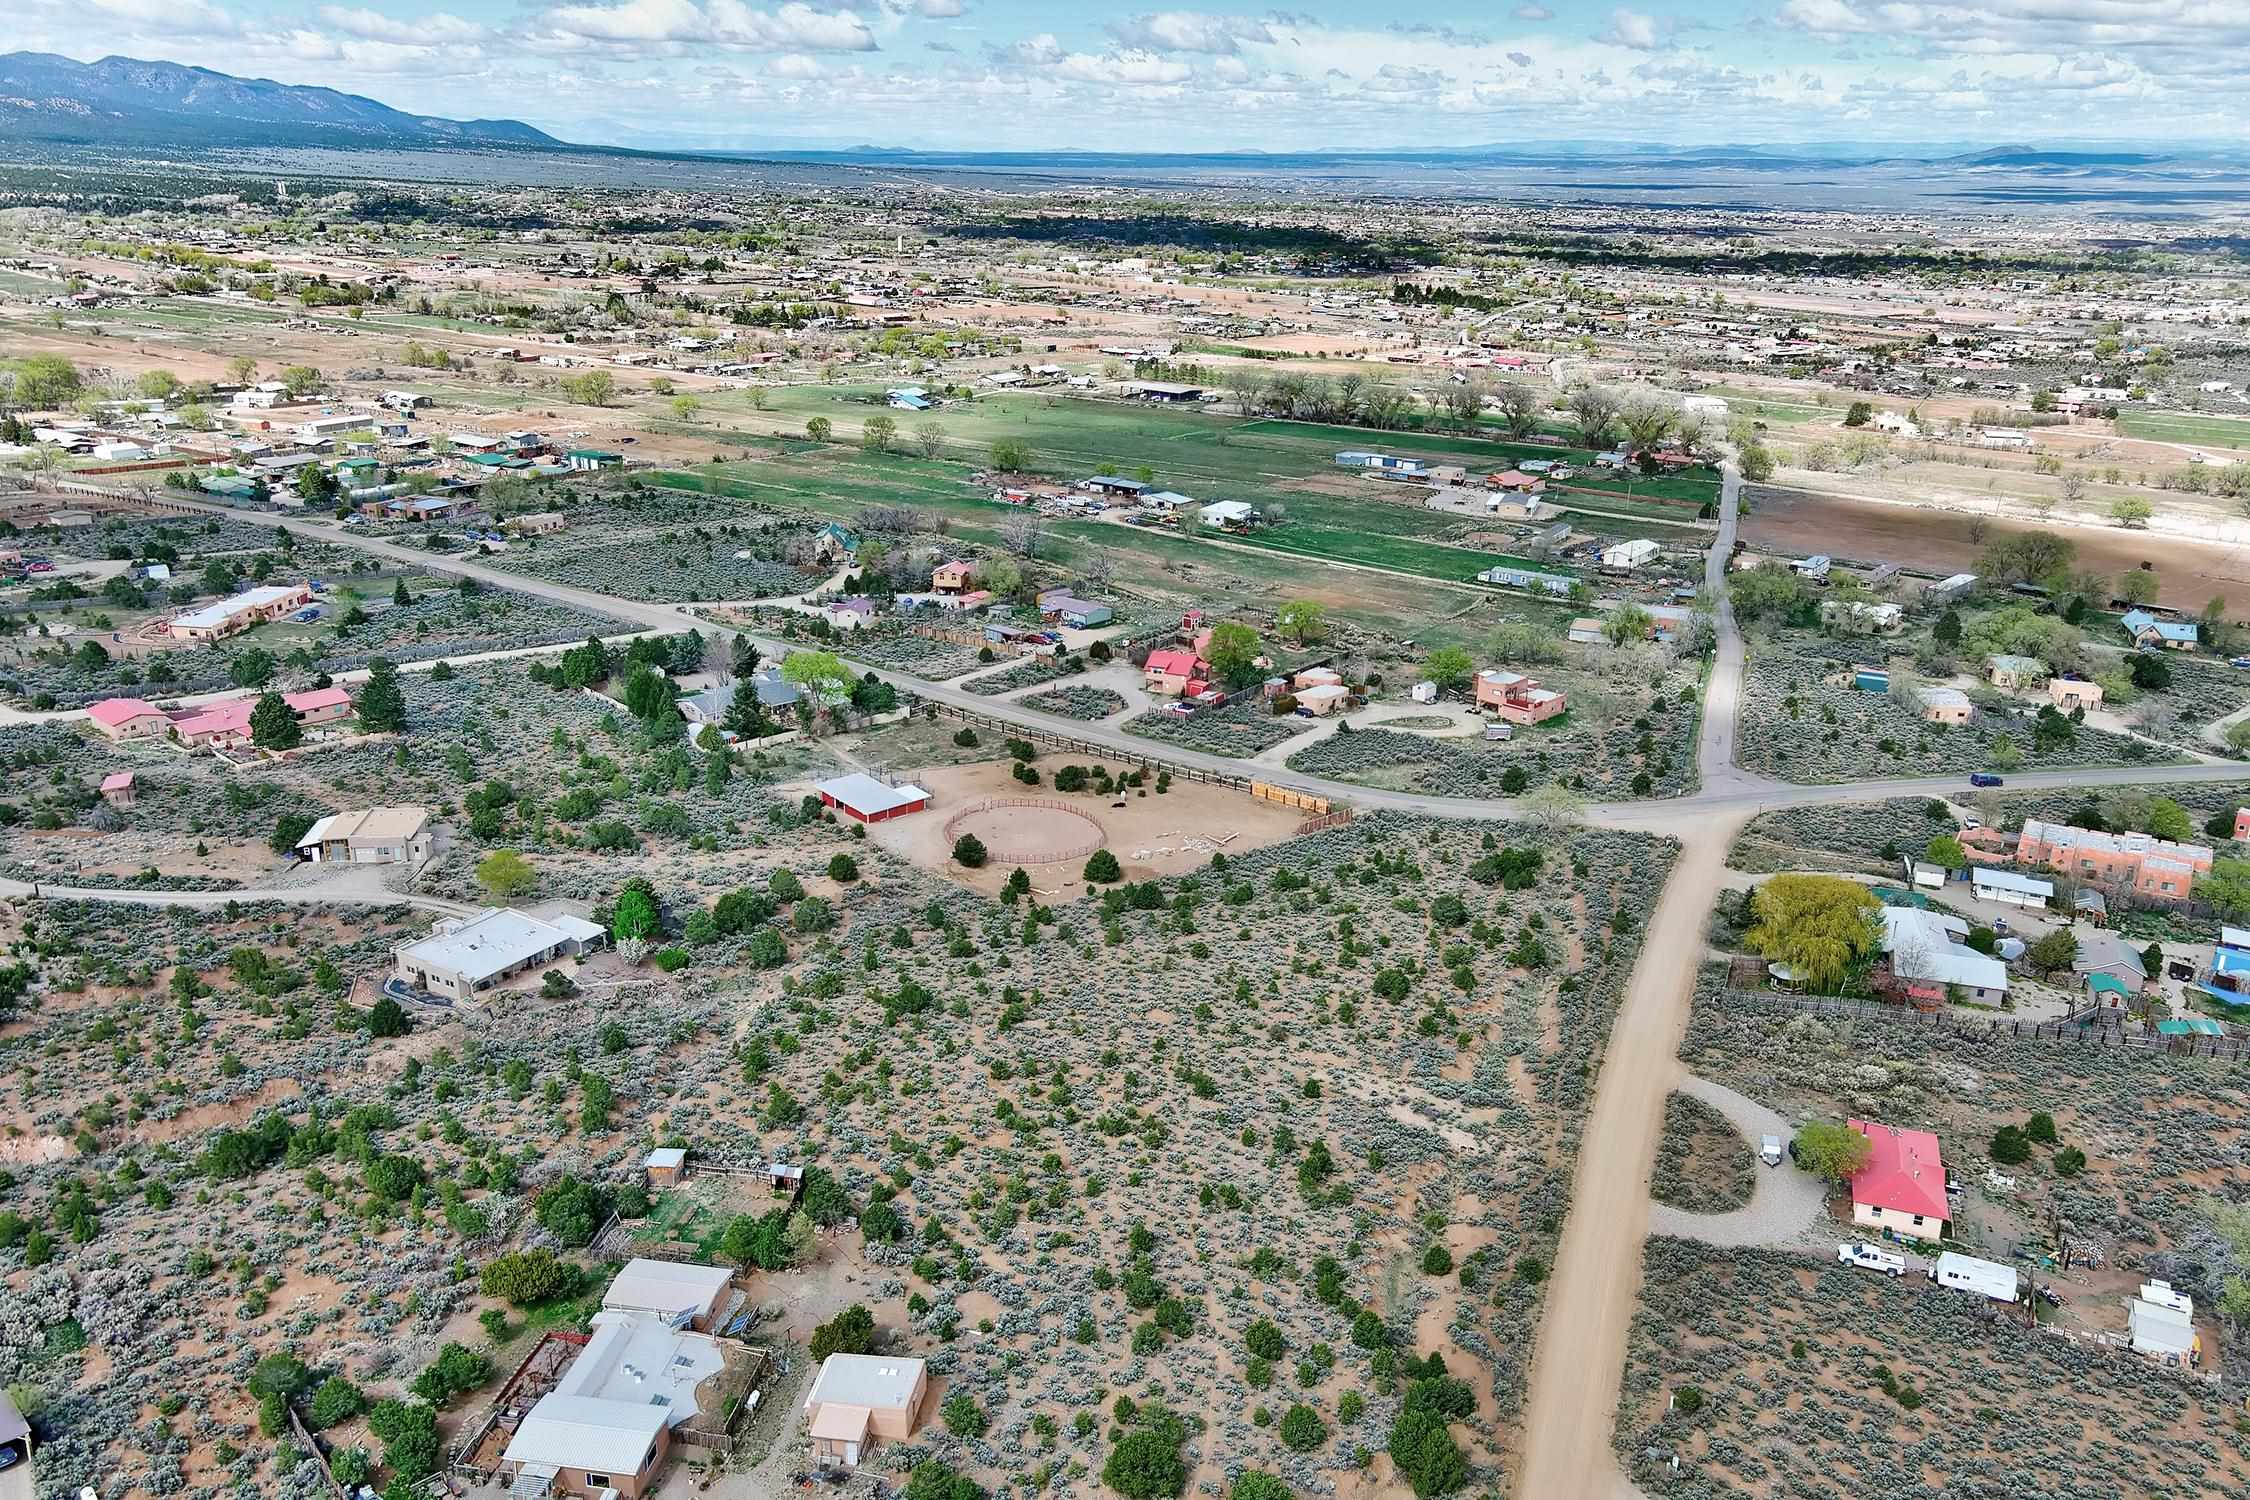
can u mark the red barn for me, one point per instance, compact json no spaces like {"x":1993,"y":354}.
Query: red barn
{"x":870,"y":801}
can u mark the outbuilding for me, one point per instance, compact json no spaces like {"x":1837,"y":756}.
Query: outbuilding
{"x":1966,"y":1273}
{"x":681,"y":1294}
{"x":862,"y":797}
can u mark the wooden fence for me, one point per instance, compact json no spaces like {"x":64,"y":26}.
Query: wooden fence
{"x":1336,"y":819}
{"x":2106,"y":1033}
{"x":1017,"y":856}
{"x":1304,"y":801}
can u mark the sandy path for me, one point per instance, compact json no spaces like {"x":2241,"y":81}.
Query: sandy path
{"x":1580,"y":1361}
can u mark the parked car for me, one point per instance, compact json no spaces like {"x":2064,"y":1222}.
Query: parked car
{"x":2240,"y":661}
{"x":1869,"y":1258}
{"x":1983,"y":778}
{"x":1769,"y":1150}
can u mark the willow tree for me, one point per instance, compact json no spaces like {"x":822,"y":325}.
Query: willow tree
{"x":1823,"y":927}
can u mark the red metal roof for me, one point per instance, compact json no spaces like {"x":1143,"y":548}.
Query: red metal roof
{"x":116,"y":711}
{"x":1175,"y":662}
{"x":1905,"y":1174}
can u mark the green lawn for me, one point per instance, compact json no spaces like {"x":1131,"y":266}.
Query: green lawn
{"x":2184,"y":427}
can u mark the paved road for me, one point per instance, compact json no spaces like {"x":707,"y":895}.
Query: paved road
{"x":351,"y":886}
{"x":1785,"y":1203}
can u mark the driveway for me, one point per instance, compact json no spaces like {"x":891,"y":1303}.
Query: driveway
{"x":1784,"y":1206}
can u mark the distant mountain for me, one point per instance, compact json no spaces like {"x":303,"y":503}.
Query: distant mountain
{"x":122,"y":101}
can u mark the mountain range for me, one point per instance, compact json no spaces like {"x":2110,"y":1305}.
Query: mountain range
{"x":123,"y":101}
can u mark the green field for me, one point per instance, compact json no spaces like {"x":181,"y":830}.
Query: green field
{"x":2184,"y":427}
{"x":1198,"y":453}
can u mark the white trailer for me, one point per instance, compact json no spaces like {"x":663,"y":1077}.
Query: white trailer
{"x":1966,"y":1273}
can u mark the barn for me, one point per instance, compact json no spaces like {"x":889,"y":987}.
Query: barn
{"x":870,"y":801}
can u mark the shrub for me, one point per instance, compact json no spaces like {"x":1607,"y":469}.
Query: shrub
{"x":1264,"y":1340}
{"x":851,"y":1331}
{"x":1144,"y":1465}
{"x":843,"y":869}
{"x":969,"y":852}
{"x":1437,"y":1261}
{"x":1103,"y":868}
{"x":963,"y":1417}
{"x":527,"y":1278}
{"x":1252,"y":1484}
{"x":1302,"y":1430}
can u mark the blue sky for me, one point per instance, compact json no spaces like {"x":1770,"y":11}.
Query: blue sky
{"x":1013,"y":74}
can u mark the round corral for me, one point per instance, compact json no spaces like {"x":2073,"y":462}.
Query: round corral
{"x":1028,"y":830}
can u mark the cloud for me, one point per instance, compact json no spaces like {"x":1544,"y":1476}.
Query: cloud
{"x":1041,"y":51}
{"x":190,"y":17}
{"x":1520,"y":59}
{"x":420,"y":31}
{"x":1189,"y":31}
{"x":1630,"y":28}
{"x":1532,"y":13}
{"x":724,"y":23}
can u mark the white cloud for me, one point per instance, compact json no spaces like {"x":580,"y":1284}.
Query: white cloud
{"x":1631,"y":28}
{"x":374,"y":26}
{"x":1520,"y":59}
{"x":723,"y":23}
{"x":190,"y":17}
{"x":1532,"y":13}
{"x":1189,"y":31}
{"x":794,"y":65}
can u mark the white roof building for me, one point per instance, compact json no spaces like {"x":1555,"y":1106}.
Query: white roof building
{"x":866,"y":1380}
{"x":225,"y":611}
{"x":1228,"y":513}
{"x":2161,"y":1330}
{"x":1922,"y":949}
{"x":467,"y":954}
{"x":634,"y":1378}
{"x":1628,"y":555}
{"x":2009,"y":887}
{"x":677,"y":1293}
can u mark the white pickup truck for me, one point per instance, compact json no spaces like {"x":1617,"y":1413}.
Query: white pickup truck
{"x":1870,"y":1258}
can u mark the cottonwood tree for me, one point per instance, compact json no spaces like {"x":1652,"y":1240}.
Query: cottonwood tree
{"x":1519,"y":407}
{"x":1593,"y":411}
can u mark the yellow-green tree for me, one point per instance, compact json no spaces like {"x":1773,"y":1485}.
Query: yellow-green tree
{"x":1822,"y":926}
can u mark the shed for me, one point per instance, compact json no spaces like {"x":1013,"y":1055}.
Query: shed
{"x":665,"y":1166}
{"x":2164,"y":1332}
{"x":682,"y":1295}
{"x":861,"y":796}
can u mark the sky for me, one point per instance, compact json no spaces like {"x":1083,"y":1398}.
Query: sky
{"x":1047,"y":75}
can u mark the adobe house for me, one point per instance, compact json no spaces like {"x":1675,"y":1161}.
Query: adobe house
{"x":860,"y":1399}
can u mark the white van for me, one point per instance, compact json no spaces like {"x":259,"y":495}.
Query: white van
{"x":1769,"y":1150}
{"x":1872,"y":1259}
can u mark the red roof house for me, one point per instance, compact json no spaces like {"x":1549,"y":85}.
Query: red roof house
{"x":1902,"y":1188}
{"x":1173,"y":672}
{"x":224,"y":723}
{"x":128,"y":718}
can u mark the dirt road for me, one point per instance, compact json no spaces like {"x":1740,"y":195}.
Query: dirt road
{"x":1597,"y":1281}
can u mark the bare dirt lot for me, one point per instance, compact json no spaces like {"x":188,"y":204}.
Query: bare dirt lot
{"x":1797,"y":523}
{"x":1150,"y":835}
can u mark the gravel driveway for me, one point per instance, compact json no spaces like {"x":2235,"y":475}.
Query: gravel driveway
{"x":1786,"y":1204}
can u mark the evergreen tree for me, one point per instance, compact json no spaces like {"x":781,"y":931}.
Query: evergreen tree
{"x":382,"y":707}
{"x":273,"y":724}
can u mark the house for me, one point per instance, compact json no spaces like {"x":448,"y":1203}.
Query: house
{"x":1518,"y":699}
{"x":1626,"y":557}
{"x":128,"y":719}
{"x":953,"y":577}
{"x":1173,"y":672}
{"x":2089,"y":905}
{"x":1586,"y":630}
{"x":544,"y":523}
{"x":1313,"y":677}
{"x":2007,"y":888}
{"x":607,"y":1425}
{"x":1814,"y":569}
{"x":463,"y":956}
{"x":2013,"y":672}
{"x":2072,"y":694}
{"x":586,"y":460}
{"x":1947,"y":590}
{"x":679,"y":1294}
{"x":222,"y":724}
{"x":1383,"y":465}
{"x":118,"y":789}
{"x":1322,"y":698}
{"x":1928,"y":960}
{"x":1066,"y":608}
{"x":908,"y":398}
{"x":2002,"y":437}
{"x":1228,"y":515}
{"x":1875,"y":618}
{"x":1557,"y":585}
{"x":665,"y":1166}
{"x":231,"y":616}
{"x":1168,"y":502}
{"x":863,"y":798}
{"x":2102,"y":953}
{"x":1515,"y":482}
{"x":859,"y":1398}
{"x":2163,"y":1332}
{"x":1901,"y":1190}
{"x":405,"y":400}
{"x":377,"y":836}
{"x":2141,"y":863}
{"x":836,"y":544}
{"x":2242,"y":823}
{"x":711,"y":706}
{"x":848,"y":614}
{"x":1986,"y":845}
{"x":1943,"y":705}
{"x":2151,"y":633}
